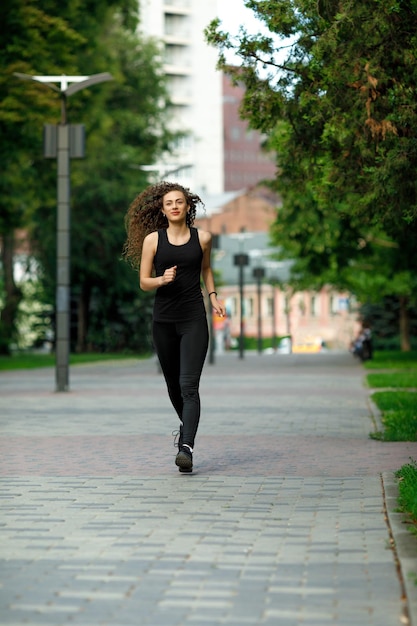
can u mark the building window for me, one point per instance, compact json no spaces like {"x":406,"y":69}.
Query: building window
{"x":176,"y":55}
{"x":302,"y":306}
{"x":183,"y":173}
{"x":231,"y":307}
{"x":185,"y":142}
{"x":287,"y":305}
{"x":313,"y":306}
{"x":176,"y":25}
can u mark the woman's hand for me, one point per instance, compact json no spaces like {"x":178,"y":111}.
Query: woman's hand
{"x":218,"y":307}
{"x":169,"y":275}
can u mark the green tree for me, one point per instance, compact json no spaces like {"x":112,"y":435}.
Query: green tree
{"x":125,"y":128}
{"x":27,"y":33}
{"x":336,"y":97}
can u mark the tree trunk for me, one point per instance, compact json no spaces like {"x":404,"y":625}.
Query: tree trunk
{"x":404,"y":325}
{"x":82,"y":321}
{"x":12,"y":297}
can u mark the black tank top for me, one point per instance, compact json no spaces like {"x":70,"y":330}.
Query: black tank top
{"x":182,"y":299}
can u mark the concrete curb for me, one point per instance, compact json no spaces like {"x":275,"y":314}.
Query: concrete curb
{"x":375,"y":412}
{"x":405,"y":542}
{"x":405,"y":545}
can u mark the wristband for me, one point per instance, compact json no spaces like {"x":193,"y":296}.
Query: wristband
{"x":211,"y":293}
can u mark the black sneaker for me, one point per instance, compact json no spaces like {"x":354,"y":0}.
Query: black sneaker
{"x":184,"y":459}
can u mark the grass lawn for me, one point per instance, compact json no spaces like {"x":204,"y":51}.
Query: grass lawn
{"x":398,"y":406}
{"x":26,"y":360}
{"x":399,"y":417}
{"x":392,"y":359}
{"x":406,"y":378}
{"x":407,"y":500}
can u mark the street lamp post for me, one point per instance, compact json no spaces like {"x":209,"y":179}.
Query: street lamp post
{"x":277,"y":268}
{"x":212,"y":349}
{"x":258,"y":274}
{"x":64,"y":142}
{"x":241,"y":260}
{"x":274,"y":315}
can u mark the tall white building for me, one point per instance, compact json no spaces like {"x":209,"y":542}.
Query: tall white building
{"x":195,"y":88}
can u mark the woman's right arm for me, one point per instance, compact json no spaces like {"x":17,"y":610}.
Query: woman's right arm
{"x":146,"y":280}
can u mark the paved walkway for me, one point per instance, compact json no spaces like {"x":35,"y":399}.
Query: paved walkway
{"x":287,"y":520}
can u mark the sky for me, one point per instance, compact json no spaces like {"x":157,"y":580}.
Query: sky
{"x":233,"y":13}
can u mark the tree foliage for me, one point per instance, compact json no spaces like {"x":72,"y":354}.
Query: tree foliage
{"x":27,"y":33}
{"x":333,"y":86}
{"x":126,"y":127}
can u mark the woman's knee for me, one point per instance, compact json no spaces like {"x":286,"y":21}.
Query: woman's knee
{"x":189,"y":386}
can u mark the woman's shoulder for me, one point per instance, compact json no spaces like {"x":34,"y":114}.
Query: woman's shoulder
{"x":151,"y":241}
{"x":151,"y":237}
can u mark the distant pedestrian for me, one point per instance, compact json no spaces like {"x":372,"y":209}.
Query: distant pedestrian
{"x":172,"y":256}
{"x":362,"y":345}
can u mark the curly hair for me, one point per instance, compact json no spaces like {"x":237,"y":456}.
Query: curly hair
{"x":145,"y":216}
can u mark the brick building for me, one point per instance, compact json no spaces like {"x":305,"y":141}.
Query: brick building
{"x":252,"y":210}
{"x":270,"y":308}
{"x":246,"y":163}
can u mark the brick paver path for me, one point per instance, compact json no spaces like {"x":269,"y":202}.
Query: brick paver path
{"x":282,"y":522}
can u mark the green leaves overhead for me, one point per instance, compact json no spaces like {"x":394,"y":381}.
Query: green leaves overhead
{"x":335,"y":91}
{"x":333,"y":86}
{"x":126,"y":127}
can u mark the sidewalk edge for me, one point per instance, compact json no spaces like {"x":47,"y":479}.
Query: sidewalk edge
{"x":405,"y":545}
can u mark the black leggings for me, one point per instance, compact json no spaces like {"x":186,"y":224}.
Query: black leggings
{"x":182,"y":348}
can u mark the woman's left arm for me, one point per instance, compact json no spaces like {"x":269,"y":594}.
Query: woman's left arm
{"x":207,"y":273}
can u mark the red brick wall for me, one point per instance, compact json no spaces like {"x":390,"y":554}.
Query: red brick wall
{"x":245,"y":161}
{"x":253,"y":211}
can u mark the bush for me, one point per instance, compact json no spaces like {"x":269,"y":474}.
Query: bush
{"x":407,"y":489}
